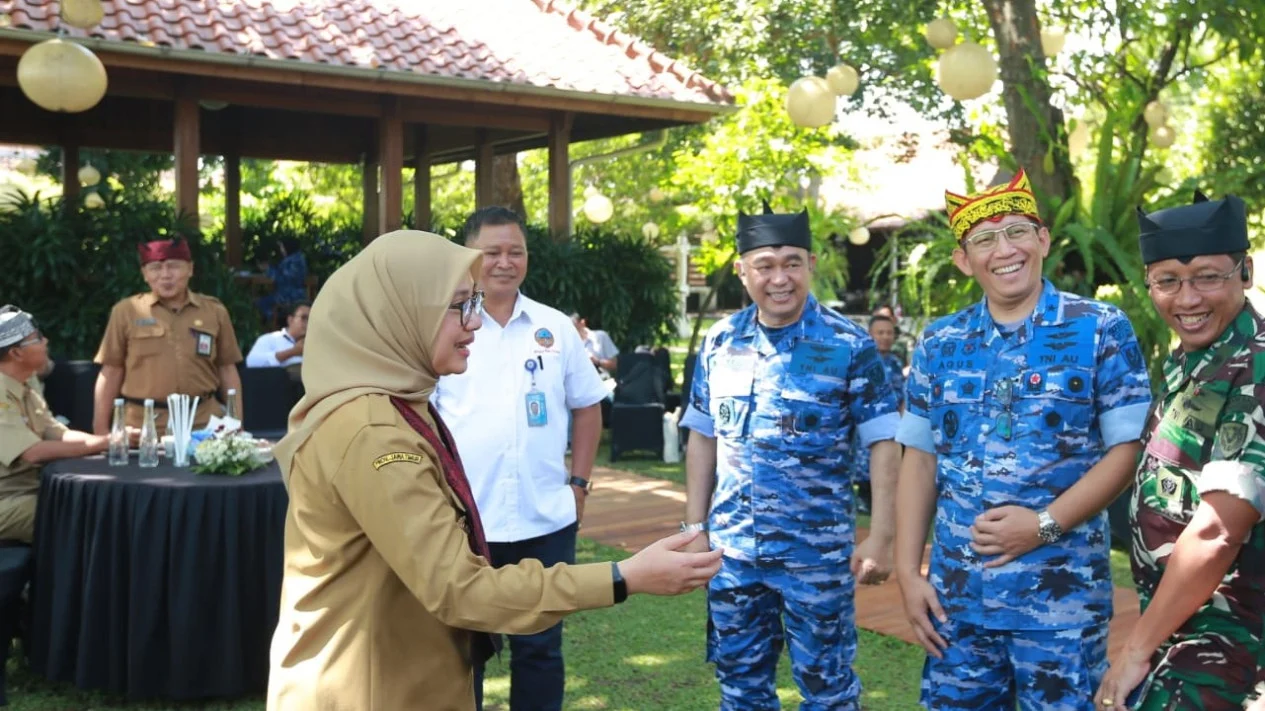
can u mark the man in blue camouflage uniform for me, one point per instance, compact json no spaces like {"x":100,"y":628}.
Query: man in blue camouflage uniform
{"x":1022,"y":421}
{"x":883,"y":331}
{"x":778,"y":389}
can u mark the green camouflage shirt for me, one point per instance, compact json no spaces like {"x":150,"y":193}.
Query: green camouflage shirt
{"x":1207,"y":433}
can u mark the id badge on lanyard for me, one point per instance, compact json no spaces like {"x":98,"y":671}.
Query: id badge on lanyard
{"x":537,"y":409}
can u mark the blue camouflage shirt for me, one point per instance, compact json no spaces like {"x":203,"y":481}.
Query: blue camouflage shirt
{"x":1017,"y":419}
{"x":896,"y":376}
{"x":783,"y":416}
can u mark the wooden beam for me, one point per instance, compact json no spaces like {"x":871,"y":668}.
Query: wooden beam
{"x":233,"y":209}
{"x":483,"y":174}
{"x":370,"y":181}
{"x":186,"y":140}
{"x":560,"y":175}
{"x":421,"y":179}
{"x":70,"y":171}
{"x":391,"y":158}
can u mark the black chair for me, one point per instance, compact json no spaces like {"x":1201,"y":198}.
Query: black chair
{"x":270,"y":394}
{"x":15,"y":573}
{"x":68,"y":391}
{"x":637,"y":413}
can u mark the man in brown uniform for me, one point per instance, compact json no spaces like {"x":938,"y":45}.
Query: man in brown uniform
{"x":168,"y":341}
{"x":29,"y":436}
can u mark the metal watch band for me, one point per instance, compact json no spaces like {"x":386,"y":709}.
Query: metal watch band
{"x":691,"y":527}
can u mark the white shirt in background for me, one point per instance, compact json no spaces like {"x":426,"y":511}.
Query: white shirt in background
{"x":264,"y":353}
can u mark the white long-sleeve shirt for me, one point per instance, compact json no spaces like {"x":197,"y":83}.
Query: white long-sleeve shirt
{"x":264,"y":353}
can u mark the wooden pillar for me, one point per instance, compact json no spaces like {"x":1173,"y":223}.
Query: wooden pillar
{"x":421,"y":180}
{"x":391,"y":158}
{"x":560,"y":175}
{"x":370,"y":180}
{"x":483,"y":173}
{"x":233,"y":209}
{"x":70,"y":172}
{"x":186,"y":134}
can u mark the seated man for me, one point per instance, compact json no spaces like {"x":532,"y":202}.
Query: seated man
{"x":599,"y":346}
{"x":29,"y":436}
{"x":282,"y":348}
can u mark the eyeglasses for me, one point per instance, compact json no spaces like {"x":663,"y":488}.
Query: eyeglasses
{"x":33,"y":340}
{"x":469,"y":307}
{"x":1199,"y":282}
{"x":986,"y":241}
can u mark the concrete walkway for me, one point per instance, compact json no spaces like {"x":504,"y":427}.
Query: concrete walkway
{"x":629,"y":511}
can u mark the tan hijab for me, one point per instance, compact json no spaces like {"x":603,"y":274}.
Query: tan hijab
{"x":373,"y":325}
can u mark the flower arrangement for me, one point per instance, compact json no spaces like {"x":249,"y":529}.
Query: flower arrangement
{"x":232,"y":456}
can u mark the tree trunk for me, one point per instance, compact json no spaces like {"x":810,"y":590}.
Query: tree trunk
{"x":1022,"y":63}
{"x":507,"y":188}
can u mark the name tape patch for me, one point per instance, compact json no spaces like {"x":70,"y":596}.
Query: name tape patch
{"x":396,"y":457}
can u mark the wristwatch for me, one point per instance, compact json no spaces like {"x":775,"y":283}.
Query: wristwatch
{"x":582,"y":484}
{"x":621,"y":587}
{"x":692,"y":527}
{"x":1048,"y":529}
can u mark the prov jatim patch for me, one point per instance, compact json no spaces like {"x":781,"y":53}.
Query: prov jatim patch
{"x":396,"y":457}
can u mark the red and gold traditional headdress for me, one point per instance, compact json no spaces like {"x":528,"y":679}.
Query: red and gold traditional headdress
{"x":1013,"y":198}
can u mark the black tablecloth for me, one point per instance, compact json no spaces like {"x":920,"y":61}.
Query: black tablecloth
{"x":156,"y":583}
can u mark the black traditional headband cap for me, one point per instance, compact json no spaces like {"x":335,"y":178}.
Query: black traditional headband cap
{"x":770,"y":230}
{"x":1202,"y":227}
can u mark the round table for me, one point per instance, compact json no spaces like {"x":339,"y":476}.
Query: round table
{"x":156,"y":583}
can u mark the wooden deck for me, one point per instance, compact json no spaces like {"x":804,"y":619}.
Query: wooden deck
{"x":629,"y":511}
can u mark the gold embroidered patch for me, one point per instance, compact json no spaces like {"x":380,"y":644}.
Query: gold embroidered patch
{"x":396,"y":457}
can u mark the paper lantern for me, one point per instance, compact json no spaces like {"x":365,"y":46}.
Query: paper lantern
{"x":941,"y":33}
{"x":967,"y":71}
{"x":843,"y":80}
{"x":83,"y":14}
{"x":89,"y":176}
{"x":859,"y":236}
{"x":650,"y":231}
{"x":27,"y":166}
{"x":598,"y":208}
{"x":656,"y":195}
{"x":1163,"y":136}
{"x":93,"y":201}
{"x":810,"y":102}
{"x":62,"y":76}
{"x":1052,"y":40}
{"x":1155,"y":114}
{"x":1078,"y":139}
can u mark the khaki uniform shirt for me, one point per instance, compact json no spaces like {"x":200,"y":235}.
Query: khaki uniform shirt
{"x":24,"y":420}
{"x":164,"y":352}
{"x":381,"y":590}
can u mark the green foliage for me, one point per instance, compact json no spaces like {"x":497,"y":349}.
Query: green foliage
{"x":328,"y":241}
{"x":1235,"y":150}
{"x":69,"y":265}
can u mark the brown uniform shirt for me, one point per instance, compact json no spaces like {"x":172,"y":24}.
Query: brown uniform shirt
{"x":380,"y":589}
{"x":165,"y":352}
{"x":24,"y":420}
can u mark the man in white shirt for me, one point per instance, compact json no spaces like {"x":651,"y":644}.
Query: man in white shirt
{"x":285,"y":347}
{"x":598,"y":344}
{"x":528,"y":376}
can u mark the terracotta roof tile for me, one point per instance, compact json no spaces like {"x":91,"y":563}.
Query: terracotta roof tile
{"x":541,"y":43}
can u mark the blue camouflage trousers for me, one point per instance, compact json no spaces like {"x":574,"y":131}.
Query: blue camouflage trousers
{"x":1001,"y":670}
{"x":753,"y":609}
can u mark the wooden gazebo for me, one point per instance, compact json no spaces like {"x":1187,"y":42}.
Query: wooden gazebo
{"x":383,"y":83}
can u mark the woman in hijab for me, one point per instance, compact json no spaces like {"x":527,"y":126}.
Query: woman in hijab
{"x":387,"y":595}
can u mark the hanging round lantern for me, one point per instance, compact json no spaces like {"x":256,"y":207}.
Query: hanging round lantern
{"x":62,"y":76}
{"x":967,"y":71}
{"x":1163,"y":136}
{"x":1052,"y":39}
{"x":650,"y":231}
{"x":27,"y":166}
{"x":598,"y":208}
{"x":1078,"y":138}
{"x":93,"y":201}
{"x":843,"y":80}
{"x":1155,"y":114}
{"x":656,"y":195}
{"x":941,"y":33}
{"x":810,"y":102}
{"x":83,"y":14}
{"x":590,"y":191}
{"x":860,"y":236}
{"x":89,"y":176}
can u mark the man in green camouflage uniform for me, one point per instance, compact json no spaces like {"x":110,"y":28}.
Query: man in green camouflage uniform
{"x":1199,"y":497}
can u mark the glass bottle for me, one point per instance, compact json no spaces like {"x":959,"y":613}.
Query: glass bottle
{"x":148,"y":456}
{"x":117,"y":453}
{"x":230,"y":405}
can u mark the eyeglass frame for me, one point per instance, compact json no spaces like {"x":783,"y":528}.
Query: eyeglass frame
{"x":468,"y":308}
{"x":1030,"y":230}
{"x":1219,"y":279}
